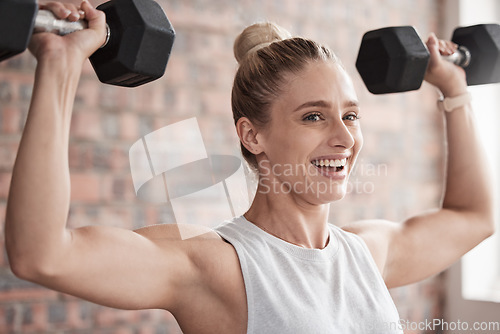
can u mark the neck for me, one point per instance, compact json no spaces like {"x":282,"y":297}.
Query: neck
{"x":290,"y":219}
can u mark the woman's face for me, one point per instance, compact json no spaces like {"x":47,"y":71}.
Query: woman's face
{"x":314,"y":136}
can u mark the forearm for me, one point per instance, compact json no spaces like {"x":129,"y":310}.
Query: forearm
{"x":468,"y":175}
{"x":39,"y":196}
{"x":468,"y":178}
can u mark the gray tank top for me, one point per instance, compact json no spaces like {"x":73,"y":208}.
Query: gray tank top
{"x":290,"y":289}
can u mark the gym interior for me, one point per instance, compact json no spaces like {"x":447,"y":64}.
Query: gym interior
{"x":399,"y":171}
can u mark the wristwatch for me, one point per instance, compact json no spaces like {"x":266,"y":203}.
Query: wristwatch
{"x":451,"y":103}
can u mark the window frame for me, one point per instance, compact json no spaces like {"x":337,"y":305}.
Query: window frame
{"x":481,"y":267}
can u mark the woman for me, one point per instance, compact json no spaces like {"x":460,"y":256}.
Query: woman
{"x":280,"y":268}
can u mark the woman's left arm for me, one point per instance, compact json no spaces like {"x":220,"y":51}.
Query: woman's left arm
{"x":426,"y":244}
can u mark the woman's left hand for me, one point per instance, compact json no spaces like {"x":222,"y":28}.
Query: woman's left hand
{"x":446,"y":76}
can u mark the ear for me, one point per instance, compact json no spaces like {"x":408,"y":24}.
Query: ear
{"x":248,"y":135}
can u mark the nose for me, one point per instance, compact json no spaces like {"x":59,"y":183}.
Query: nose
{"x":340,"y":135}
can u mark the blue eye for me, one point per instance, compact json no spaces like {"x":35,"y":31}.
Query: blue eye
{"x":314,"y":117}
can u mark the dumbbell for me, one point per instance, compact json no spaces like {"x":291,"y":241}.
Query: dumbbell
{"x":395,"y":59}
{"x":139,"y":40}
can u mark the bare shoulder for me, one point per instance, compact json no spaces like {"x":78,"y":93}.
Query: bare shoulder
{"x":213,"y":279}
{"x":213,"y":262}
{"x":371,"y":227}
{"x":378,"y":235}
{"x":177,"y":232}
{"x":199,"y":243}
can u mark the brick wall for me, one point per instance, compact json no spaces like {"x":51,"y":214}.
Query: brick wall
{"x":399,"y":171}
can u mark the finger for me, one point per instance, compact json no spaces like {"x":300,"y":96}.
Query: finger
{"x":447,"y":48}
{"x":59,"y":10}
{"x":75,"y":12}
{"x":452,"y":47}
{"x":433,"y":46}
{"x":96,"y":19}
{"x":91,"y":13}
{"x":444,"y":48}
{"x":65,"y":11}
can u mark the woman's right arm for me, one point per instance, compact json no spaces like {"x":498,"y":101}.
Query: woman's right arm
{"x":106,"y":265}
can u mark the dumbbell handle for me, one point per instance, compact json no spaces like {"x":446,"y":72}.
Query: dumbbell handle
{"x":46,"y":21}
{"x":461,"y":57}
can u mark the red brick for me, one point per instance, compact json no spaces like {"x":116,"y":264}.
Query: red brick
{"x":3,"y":255}
{"x":176,"y":71}
{"x":74,"y":318}
{"x":86,"y":124}
{"x":74,"y":156}
{"x":3,"y":209}
{"x":11,"y":120}
{"x":105,"y":317}
{"x":114,"y":97}
{"x":185,"y":103}
{"x":217,"y":101}
{"x":117,"y":188}
{"x":27,"y":295}
{"x":123,"y":330}
{"x":15,"y":82}
{"x":117,"y":216}
{"x":8,"y":152}
{"x":147,"y":98}
{"x":5,"y":179}
{"x":147,"y":330}
{"x":119,"y":160}
{"x":40,"y":315}
{"x":3,"y":320}
{"x":6,"y":91}
{"x":88,"y":93}
{"x":129,"y":124}
{"x":108,"y":317}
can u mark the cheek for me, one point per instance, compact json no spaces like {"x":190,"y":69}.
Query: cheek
{"x":358,"y":138}
{"x":358,"y":144}
{"x":287,"y":144}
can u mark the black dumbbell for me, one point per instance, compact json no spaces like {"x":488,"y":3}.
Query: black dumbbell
{"x":139,"y":42}
{"x":395,"y":59}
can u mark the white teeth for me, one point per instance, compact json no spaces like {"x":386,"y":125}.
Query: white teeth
{"x":330,"y":163}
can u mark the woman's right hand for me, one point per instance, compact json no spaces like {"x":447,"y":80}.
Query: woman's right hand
{"x":76,"y":46}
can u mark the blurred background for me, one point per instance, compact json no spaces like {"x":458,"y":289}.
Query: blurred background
{"x":399,"y":172}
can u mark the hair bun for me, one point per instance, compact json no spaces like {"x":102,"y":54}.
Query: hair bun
{"x":256,"y":36}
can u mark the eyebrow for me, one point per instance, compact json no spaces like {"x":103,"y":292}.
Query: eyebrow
{"x":324,"y":104}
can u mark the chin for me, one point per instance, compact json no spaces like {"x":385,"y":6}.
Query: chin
{"x":334,"y":194}
{"x":333,"y":198}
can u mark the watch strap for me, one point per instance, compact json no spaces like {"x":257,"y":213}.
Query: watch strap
{"x":451,"y":103}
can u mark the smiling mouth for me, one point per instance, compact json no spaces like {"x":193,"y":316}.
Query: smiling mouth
{"x":331,"y":165}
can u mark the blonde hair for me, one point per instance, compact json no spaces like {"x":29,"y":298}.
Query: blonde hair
{"x":265,"y":53}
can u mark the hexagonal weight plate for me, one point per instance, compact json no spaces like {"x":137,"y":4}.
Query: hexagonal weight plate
{"x":483,"y":42}
{"x":140,"y":43}
{"x":392,"y":59}
{"x":17,"y":19}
